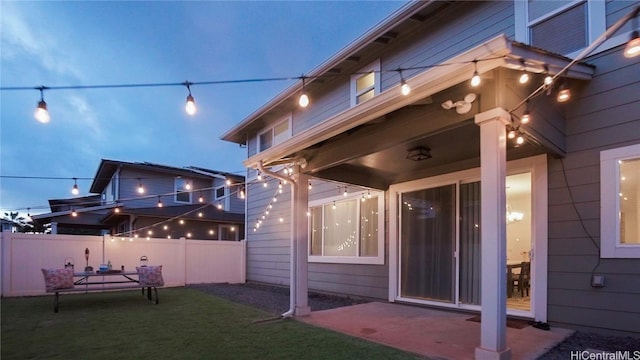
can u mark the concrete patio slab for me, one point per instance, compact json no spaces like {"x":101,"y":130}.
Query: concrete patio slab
{"x":436,"y":334}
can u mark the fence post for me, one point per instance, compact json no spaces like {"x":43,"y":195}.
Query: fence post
{"x":183,"y":257}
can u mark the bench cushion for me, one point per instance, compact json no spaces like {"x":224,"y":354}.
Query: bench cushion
{"x":150,"y":275}
{"x":55,"y":279}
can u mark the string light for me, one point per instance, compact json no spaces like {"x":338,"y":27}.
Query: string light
{"x":74,"y":189}
{"x":520,"y":140}
{"x":310,"y":186}
{"x":564,"y":94}
{"x":74,"y":213}
{"x":475,"y":79}
{"x":242,"y":193}
{"x":190,"y":106}
{"x":511,"y":134}
{"x":524,"y":77}
{"x":42,"y":114}
{"x":228,"y":182}
{"x":405,"y":89}
{"x":526,"y":116}
{"x":633,"y":46}
{"x":140,"y":187}
{"x":159,"y":202}
{"x":303,"y":101}
{"x":201,"y":198}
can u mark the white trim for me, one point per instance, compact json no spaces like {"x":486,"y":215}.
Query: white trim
{"x":287,"y":118}
{"x":537,"y":165}
{"x":610,"y":246}
{"x":374,"y":260}
{"x":177,"y":191}
{"x":354,"y":93}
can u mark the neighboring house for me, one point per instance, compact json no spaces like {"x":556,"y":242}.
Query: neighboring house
{"x":151,"y":200}
{"x":420,"y":169}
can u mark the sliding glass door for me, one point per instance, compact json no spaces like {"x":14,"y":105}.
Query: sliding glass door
{"x":428,"y":243}
{"x":440,"y":243}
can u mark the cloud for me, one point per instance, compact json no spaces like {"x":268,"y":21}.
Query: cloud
{"x":20,"y":40}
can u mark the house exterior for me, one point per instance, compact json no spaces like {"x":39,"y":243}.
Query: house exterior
{"x":425,"y":198}
{"x":141,"y":199}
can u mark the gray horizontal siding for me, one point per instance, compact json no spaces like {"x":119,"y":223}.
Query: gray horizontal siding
{"x":268,"y":248}
{"x":603,"y":115}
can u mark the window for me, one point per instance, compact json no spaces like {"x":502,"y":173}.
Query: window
{"x":183,"y":190}
{"x":365,"y":84}
{"x":347,"y":230}
{"x":620,"y":202}
{"x":221,"y":192}
{"x":564,"y":27}
{"x":275,"y":135}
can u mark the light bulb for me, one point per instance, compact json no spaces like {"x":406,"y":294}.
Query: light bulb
{"x":475,"y":80}
{"x":41,"y":114}
{"x":74,"y":189}
{"x":405,"y":89}
{"x":74,"y":213}
{"x":303,"y":101}
{"x":633,"y":46}
{"x":190,"y":106}
{"x":525,"y":117}
{"x":520,"y":140}
{"x":548,"y":80}
{"x":524,"y":78}
{"x":511,"y":134}
{"x":564,"y":95}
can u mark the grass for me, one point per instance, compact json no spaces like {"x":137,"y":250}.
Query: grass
{"x":187,"y":324}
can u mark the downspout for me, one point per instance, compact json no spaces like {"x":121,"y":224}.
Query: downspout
{"x":293,"y":248}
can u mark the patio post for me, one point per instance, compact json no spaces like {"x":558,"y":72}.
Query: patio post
{"x":493,"y":164}
{"x":300,"y":200}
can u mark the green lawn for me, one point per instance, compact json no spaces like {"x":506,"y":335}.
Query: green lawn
{"x":187,"y":324}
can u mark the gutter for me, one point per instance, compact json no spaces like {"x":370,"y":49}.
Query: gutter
{"x":293,"y":248}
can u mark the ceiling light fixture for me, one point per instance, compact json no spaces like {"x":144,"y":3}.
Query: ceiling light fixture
{"x":42,"y":114}
{"x":419,"y":153}
{"x":190,"y":106}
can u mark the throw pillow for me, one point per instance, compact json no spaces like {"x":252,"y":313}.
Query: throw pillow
{"x":55,"y":279}
{"x":150,"y":275}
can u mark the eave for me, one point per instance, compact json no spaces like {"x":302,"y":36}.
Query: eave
{"x":494,"y":53}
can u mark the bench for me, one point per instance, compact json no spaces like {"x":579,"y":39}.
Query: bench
{"x":59,"y":281}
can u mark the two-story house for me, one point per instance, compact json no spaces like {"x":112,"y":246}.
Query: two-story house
{"x":151,"y":200}
{"x":472,"y":155}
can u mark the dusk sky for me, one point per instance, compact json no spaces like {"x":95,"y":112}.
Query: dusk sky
{"x":119,"y":43}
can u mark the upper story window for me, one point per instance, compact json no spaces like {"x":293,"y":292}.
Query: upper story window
{"x":183,"y":188}
{"x":275,"y":135}
{"x":347,"y":229}
{"x":563,"y":27}
{"x":365,"y":84}
{"x":221,"y":192}
{"x":620,"y":202}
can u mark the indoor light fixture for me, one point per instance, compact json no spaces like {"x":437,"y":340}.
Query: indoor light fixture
{"x":190,"y":106}
{"x":475,"y":79}
{"x":42,"y":114}
{"x":74,"y":189}
{"x":303,"y":101}
{"x":405,"y":89}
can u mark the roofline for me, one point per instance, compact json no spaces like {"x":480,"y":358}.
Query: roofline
{"x":386,"y":25}
{"x":68,"y":212}
{"x":499,"y":52}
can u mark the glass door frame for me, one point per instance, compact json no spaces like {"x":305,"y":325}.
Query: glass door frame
{"x":537,"y":166}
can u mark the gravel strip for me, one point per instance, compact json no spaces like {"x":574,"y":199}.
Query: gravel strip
{"x":275,"y":300}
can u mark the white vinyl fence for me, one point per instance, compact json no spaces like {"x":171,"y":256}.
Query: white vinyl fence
{"x":183,"y":261}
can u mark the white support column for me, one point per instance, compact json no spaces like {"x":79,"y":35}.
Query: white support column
{"x":300,"y":201}
{"x":493,"y":164}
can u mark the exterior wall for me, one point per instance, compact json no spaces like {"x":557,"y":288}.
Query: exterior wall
{"x":268,"y":248}
{"x":191,"y":229}
{"x":603,"y":115}
{"x":430,"y":42}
